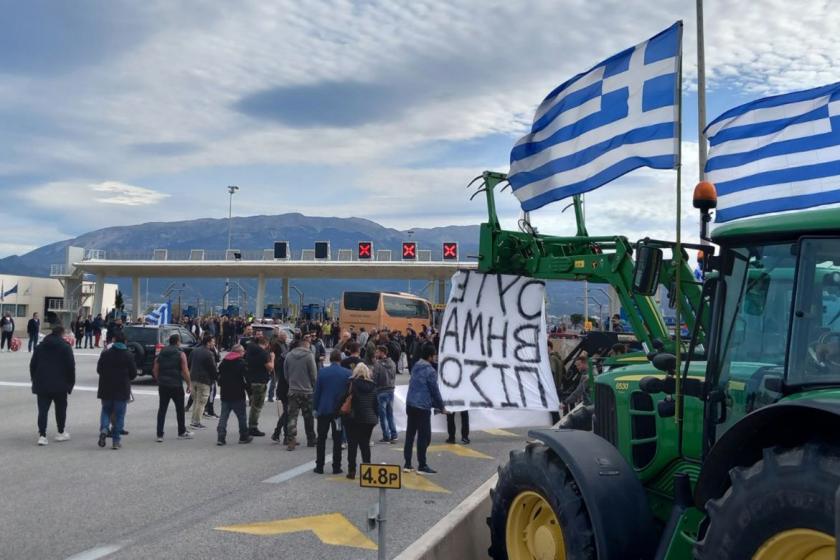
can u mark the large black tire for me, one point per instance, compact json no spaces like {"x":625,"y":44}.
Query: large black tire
{"x":786,"y":489}
{"x":138,"y":352}
{"x":539,"y":470}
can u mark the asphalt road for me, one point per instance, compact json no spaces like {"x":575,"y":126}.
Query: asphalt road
{"x":170,"y":499}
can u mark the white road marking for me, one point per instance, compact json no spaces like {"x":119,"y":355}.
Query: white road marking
{"x":98,"y":552}
{"x":76,"y":388}
{"x":290,"y":474}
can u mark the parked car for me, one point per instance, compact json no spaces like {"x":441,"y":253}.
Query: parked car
{"x":145,"y":341}
{"x":268,"y":330}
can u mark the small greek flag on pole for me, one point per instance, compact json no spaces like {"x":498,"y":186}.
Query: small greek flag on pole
{"x":619,"y":116}
{"x":776,"y":154}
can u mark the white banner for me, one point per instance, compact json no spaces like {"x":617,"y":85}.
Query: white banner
{"x":493,"y":345}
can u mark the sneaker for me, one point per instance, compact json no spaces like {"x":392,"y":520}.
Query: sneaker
{"x":159,"y":439}
{"x":394,"y":440}
{"x":62,"y":436}
{"x":465,"y":440}
{"x":384,"y":440}
{"x":186,"y":435}
{"x":123,"y":432}
{"x":339,"y":470}
{"x":116,"y":445}
{"x":246,"y":439}
{"x":220,"y":442}
{"x":318,"y":470}
{"x":102,"y":436}
{"x":42,"y":440}
{"x":275,"y":437}
{"x":351,"y":475}
{"x":292,"y":444}
{"x":426,"y":469}
{"x":256,"y":432}
{"x":450,"y":440}
{"x":198,"y":426}
{"x":408,"y":468}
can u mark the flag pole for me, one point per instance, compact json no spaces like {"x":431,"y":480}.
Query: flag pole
{"x":701,"y":91}
{"x":677,"y":258}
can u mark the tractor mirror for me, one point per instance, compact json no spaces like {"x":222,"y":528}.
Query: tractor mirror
{"x":646,"y":272}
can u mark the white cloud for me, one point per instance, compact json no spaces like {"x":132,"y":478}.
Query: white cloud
{"x":126,"y":195}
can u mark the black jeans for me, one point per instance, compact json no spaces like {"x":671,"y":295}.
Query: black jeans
{"x":419,"y":423}
{"x":465,"y":424}
{"x":282,"y":421}
{"x":44,"y":402}
{"x":358,"y":437}
{"x":238,"y":408}
{"x":176,"y":395}
{"x":325,"y":424}
{"x":6,"y":340}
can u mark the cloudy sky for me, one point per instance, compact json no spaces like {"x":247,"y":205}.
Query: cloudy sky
{"x":117,"y":112}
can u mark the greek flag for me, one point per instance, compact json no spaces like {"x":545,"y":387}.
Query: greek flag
{"x":776,"y":154}
{"x":6,"y":293}
{"x":159,"y":316}
{"x":619,"y":116}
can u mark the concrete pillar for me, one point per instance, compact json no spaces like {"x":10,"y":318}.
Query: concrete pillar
{"x":137,"y":305}
{"x":98,"y":294}
{"x":441,"y":291}
{"x":286,"y":296}
{"x":260,"y":297}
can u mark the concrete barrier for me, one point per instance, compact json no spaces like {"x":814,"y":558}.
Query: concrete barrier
{"x":463,"y":534}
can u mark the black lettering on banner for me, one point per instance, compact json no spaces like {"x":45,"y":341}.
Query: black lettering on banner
{"x":449,"y":332}
{"x":503,"y":290}
{"x":491,"y":337}
{"x":518,"y":371}
{"x":481,"y":366}
{"x":480,"y":290}
{"x":503,"y":375}
{"x":463,"y":287}
{"x":532,"y":343}
{"x":443,"y":373}
{"x":531,"y":369}
{"x":522,"y":288}
{"x":454,"y":402}
{"x":470,"y":328}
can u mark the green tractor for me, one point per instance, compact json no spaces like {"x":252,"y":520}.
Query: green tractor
{"x":735,"y":455}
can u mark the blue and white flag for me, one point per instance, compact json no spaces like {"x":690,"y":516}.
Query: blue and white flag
{"x":159,"y":316}
{"x":5,"y":293}
{"x":619,"y":116}
{"x":776,"y":154}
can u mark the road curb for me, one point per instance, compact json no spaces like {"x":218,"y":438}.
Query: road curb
{"x":462,"y":534}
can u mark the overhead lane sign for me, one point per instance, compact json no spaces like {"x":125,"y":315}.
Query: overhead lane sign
{"x":493,"y":344}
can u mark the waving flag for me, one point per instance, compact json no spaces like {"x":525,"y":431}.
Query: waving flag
{"x":776,"y":154}
{"x":4,"y":293}
{"x":619,"y":116}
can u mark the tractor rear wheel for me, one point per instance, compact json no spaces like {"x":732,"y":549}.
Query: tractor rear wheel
{"x":537,"y":511}
{"x":780,"y":508}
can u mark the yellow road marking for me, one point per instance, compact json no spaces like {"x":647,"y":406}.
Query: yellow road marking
{"x":330,"y":528}
{"x":455,"y":449}
{"x":499,"y":432}
{"x":412,"y":481}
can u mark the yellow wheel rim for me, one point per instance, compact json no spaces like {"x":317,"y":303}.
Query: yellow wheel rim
{"x":797,"y":544}
{"x":532,"y":531}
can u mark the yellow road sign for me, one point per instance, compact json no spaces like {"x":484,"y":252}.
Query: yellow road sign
{"x":380,"y":476}
{"x":330,"y":528}
{"x":410,"y":481}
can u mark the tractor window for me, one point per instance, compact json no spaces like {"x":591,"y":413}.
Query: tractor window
{"x":815,"y":339}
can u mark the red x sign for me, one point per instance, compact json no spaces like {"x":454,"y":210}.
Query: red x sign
{"x":450,"y":251}
{"x":409,"y":250}
{"x":365,"y":249}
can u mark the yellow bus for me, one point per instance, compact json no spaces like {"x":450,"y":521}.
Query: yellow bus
{"x":395,"y":311}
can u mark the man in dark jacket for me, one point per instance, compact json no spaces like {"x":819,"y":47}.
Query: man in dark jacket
{"x":170,"y":371}
{"x":260,"y":365}
{"x":7,"y":331}
{"x":203,"y":374}
{"x":232,"y":387}
{"x":116,"y":369}
{"x":33,"y":329}
{"x":423,"y":395}
{"x":280,"y":348}
{"x":53,"y":372}
{"x":385,"y":376}
{"x":330,"y":390}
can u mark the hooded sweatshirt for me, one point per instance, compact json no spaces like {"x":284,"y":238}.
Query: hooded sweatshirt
{"x":232,"y":380}
{"x":300,"y":371}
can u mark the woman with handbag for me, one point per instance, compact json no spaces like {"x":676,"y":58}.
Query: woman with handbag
{"x":361,"y":416}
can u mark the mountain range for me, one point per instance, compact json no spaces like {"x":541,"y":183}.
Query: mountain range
{"x":256,"y":233}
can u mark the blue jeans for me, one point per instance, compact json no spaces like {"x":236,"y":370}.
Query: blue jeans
{"x":386,"y":415}
{"x":238,"y":408}
{"x":118,"y":409}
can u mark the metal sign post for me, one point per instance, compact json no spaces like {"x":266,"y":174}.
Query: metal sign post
{"x":383,"y":477}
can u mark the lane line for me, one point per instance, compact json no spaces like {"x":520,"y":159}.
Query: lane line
{"x":97,"y":552}
{"x":76,"y":388}
{"x":291,"y":473}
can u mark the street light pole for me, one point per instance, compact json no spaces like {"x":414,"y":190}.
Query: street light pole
{"x":410,"y":236}
{"x":231,"y":191}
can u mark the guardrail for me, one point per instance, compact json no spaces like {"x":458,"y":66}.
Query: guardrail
{"x":58,"y":270}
